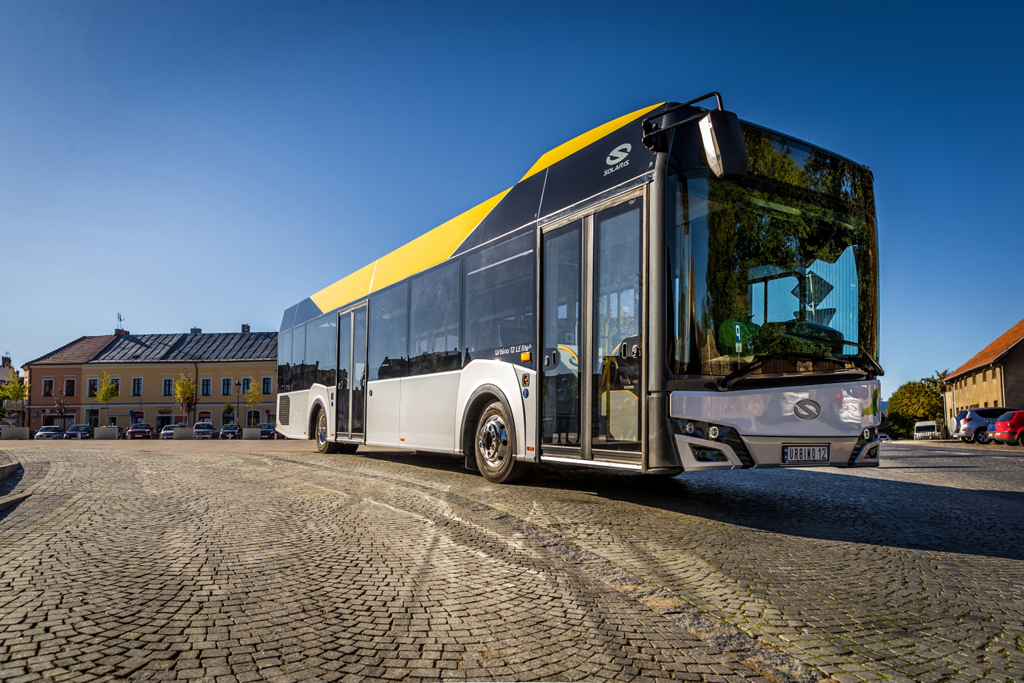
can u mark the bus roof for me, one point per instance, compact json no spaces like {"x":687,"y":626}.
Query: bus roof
{"x":440,"y":243}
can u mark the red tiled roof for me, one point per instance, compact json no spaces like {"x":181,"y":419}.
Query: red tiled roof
{"x":81,"y":350}
{"x":993,"y":351}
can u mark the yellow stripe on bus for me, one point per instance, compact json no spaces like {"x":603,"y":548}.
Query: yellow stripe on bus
{"x":422,"y":253}
{"x":580,"y":141}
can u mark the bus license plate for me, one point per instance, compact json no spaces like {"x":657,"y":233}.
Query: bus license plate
{"x":799,"y":455}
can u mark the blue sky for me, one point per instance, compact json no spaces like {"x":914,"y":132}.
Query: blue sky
{"x":211,"y":163}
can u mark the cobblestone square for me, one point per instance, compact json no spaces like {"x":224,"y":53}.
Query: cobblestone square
{"x":240,"y":561}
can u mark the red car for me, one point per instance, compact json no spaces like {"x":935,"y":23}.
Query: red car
{"x":140,"y":431}
{"x":1010,"y":428}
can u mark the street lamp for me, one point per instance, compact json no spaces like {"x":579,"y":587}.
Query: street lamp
{"x":238,"y":397}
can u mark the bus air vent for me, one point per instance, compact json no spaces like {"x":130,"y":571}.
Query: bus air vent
{"x":286,"y":405}
{"x":733,"y":440}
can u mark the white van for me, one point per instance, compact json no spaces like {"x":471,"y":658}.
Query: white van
{"x":927,"y":430}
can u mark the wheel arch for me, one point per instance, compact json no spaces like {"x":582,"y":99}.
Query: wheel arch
{"x":314,"y":411}
{"x":478,"y":400}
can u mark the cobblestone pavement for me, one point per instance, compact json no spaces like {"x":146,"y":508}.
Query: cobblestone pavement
{"x":161,"y":561}
{"x":910,"y":571}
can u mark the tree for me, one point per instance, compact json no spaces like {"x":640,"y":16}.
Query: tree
{"x":108,"y":390}
{"x":227,"y":408}
{"x":918,"y":401}
{"x":253,"y":397}
{"x":16,"y":390}
{"x":185,"y":394}
{"x":60,"y":403}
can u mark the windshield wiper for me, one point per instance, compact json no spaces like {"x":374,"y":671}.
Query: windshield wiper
{"x":740,"y":373}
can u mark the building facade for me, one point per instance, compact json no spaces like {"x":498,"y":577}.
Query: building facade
{"x":145,"y":368}
{"x":992,"y":378}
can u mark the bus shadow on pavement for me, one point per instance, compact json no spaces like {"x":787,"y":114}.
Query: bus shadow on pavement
{"x":803,"y":503}
{"x":825,"y":506}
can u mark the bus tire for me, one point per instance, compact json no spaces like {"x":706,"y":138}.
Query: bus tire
{"x":493,"y":444}
{"x":323,"y":444}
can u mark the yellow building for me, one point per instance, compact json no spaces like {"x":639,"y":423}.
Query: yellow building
{"x":145,"y":367}
{"x":994,"y":377}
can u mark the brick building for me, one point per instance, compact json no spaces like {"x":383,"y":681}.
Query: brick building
{"x":992,"y":378}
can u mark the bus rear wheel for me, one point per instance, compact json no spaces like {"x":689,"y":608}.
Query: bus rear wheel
{"x":493,"y":445}
{"x":320,"y":435}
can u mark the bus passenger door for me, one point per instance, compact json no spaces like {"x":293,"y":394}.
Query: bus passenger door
{"x":561,"y":330}
{"x":343,"y":396}
{"x":351,"y":391}
{"x":591,"y":298}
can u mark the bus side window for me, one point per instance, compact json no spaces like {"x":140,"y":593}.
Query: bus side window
{"x":434,"y":319}
{"x":499,"y":293}
{"x":389,"y":332}
{"x":284,"y":361}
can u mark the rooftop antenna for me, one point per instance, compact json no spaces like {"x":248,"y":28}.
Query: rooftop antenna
{"x":120,"y":322}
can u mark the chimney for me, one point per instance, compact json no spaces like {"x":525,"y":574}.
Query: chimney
{"x":121,"y":333}
{"x":196,"y":330}
{"x":245,"y":329}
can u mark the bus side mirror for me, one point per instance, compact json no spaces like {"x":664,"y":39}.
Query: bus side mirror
{"x":723,"y":143}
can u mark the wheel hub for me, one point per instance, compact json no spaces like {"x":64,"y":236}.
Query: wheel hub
{"x":493,"y":441}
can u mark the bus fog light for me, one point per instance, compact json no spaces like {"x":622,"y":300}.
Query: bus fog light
{"x":713,"y":432}
{"x":689,"y":428}
{"x":709,"y":455}
{"x":867,"y":434}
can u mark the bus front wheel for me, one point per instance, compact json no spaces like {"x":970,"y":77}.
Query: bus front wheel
{"x":493,"y":445}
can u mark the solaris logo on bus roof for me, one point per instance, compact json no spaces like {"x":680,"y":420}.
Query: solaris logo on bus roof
{"x":617,"y":158}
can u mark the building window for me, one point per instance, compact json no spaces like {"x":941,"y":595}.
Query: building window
{"x":252,"y":418}
{"x":204,"y":416}
{"x":267,"y":386}
{"x":225,"y":386}
{"x":69,"y":387}
{"x":168,"y":387}
{"x":47,"y":387}
{"x":94,"y":386}
{"x":246,"y":383}
{"x":136,"y":386}
{"x":117,"y":385}
{"x":206,"y":387}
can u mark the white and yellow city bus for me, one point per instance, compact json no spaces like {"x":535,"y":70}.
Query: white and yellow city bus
{"x":674,"y":290}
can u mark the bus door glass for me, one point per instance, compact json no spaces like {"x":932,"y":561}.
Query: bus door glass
{"x":561,"y":337}
{"x":359,"y":378}
{"x":616,"y":310}
{"x":343,"y":398}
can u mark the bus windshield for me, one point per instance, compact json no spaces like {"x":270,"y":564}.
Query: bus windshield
{"x":775,"y":274}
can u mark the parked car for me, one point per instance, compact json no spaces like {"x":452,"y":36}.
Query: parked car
{"x":167,"y":432}
{"x":78,"y":432}
{"x":954,"y":424}
{"x":972,"y":424}
{"x":204,"y":430}
{"x":48,"y":432}
{"x":140,"y":430}
{"x":927,"y":430}
{"x":267,"y":430}
{"x":231,"y":431}
{"x":1010,"y":428}
{"x":884,"y":437}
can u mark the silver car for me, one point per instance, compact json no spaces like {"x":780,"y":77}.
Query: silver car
{"x":204,"y":430}
{"x":972,"y":425}
{"x":48,"y":432}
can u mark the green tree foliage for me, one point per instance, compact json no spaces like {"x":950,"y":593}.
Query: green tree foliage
{"x":227,"y":408}
{"x":108,"y":390}
{"x":185,"y":394}
{"x":14,"y":390}
{"x":918,"y":401}
{"x":254,"y":396}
